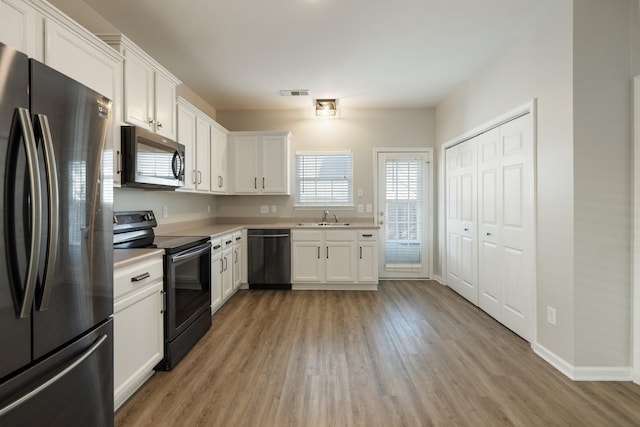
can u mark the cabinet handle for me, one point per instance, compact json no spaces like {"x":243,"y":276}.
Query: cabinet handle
{"x":119,"y":162}
{"x":367,"y":235}
{"x":255,"y":183}
{"x":221,"y":181}
{"x":159,"y":124}
{"x":263,"y":182}
{"x":140,"y":277}
{"x":216,"y":247}
{"x":466,"y":229}
{"x":221,"y":265}
{"x":327,"y":252}
{"x":238,"y":238}
{"x":164,"y":301}
{"x":193,"y":176}
{"x":360,"y":252}
{"x":235,"y":257}
{"x":199,"y":177}
{"x":318,"y":252}
{"x":226,"y":263}
{"x":488,"y":234}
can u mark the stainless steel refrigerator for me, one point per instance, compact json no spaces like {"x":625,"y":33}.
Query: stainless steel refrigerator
{"x":56,"y":257}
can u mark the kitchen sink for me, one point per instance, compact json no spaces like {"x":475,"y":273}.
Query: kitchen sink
{"x":323,"y":224}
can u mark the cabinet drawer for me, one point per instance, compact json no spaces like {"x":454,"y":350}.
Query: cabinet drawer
{"x":364,"y":235}
{"x":237,"y":237}
{"x":227,"y":241}
{"x":340,"y":235}
{"x":216,"y":245}
{"x":136,"y":276}
{"x":306,"y":235}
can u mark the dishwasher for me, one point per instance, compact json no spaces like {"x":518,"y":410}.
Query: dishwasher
{"x":269,"y":258}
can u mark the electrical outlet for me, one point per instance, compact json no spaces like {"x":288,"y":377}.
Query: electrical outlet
{"x":360,"y":192}
{"x":264,"y":209}
{"x":165,"y":212}
{"x":274,"y":209}
{"x":360,"y":208}
{"x":551,"y":315}
{"x":369,"y":208}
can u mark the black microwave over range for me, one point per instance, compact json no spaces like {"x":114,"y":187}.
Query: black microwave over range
{"x":150,"y":160}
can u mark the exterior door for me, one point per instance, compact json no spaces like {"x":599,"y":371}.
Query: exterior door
{"x":403,"y":214}
{"x":461,"y":217}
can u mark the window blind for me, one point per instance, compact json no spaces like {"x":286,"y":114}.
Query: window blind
{"x":324,"y":179}
{"x":403,"y":207}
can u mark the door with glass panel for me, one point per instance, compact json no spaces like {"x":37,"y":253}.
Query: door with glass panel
{"x":403,"y":214}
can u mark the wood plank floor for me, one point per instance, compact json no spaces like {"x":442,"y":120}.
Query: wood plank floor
{"x":411,"y":354}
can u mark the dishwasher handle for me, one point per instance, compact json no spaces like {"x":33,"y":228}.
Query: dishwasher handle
{"x":269,"y":235}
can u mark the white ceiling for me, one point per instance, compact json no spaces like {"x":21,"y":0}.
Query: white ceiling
{"x":238,"y":54}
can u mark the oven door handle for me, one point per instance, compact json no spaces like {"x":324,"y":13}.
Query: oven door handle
{"x":199,"y":250}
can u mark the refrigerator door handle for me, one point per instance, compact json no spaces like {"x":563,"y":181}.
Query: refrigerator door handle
{"x":26,"y":128}
{"x":79,"y":359}
{"x":53,"y":208}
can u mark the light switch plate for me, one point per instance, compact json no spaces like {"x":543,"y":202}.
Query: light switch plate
{"x":274,"y":209}
{"x":369,"y":208}
{"x":360,"y":208}
{"x":264,"y":209}
{"x":360,"y":192}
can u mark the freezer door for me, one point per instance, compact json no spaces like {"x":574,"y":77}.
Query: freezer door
{"x":15,"y":333}
{"x":78,"y":293}
{"x":73,"y":387}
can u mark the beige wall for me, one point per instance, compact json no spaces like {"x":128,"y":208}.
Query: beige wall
{"x":357,"y":130}
{"x":536,"y":66}
{"x":577,"y":62}
{"x":602,"y":84}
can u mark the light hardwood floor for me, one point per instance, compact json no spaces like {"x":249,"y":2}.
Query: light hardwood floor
{"x":411,"y":354}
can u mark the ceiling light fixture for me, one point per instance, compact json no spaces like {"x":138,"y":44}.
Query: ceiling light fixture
{"x":326,"y":107}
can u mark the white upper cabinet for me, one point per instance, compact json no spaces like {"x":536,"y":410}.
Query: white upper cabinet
{"x":219,"y":159}
{"x":205,"y":144}
{"x":20,"y":25}
{"x":149,"y":89}
{"x":261,"y":162}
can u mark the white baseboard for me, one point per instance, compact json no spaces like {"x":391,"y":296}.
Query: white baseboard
{"x":438,"y":279}
{"x":580,"y":373}
{"x":636,"y":377}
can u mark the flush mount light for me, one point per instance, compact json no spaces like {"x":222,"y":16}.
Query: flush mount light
{"x":326,"y":107}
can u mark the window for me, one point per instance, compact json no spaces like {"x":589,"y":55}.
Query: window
{"x":324,"y":179}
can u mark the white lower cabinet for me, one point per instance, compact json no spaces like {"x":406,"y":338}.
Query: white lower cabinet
{"x":217,"y":267}
{"x":227,"y":266}
{"x":237,"y":260}
{"x":138,"y":338}
{"x":336,"y":257}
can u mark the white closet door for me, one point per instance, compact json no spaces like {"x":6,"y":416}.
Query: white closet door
{"x":490,"y":294}
{"x":462,"y":247}
{"x":506,"y":254}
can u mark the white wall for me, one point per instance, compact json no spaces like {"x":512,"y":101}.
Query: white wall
{"x":358,"y":130}
{"x":181,"y":206}
{"x":536,"y":66}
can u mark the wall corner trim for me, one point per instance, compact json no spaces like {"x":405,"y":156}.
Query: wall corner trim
{"x":583,"y":373}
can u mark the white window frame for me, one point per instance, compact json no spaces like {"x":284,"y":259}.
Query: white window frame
{"x":315,"y":205}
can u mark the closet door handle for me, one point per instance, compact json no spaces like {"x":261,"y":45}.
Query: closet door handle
{"x":360,"y":252}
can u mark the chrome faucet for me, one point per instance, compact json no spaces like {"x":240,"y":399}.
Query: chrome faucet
{"x":324,"y":216}
{"x":335,"y":217}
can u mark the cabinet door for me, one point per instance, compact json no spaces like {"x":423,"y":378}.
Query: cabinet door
{"x":227,"y":273}
{"x":187,"y":137}
{"x":274,"y":165}
{"x":138,"y":339}
{"x":138,"y":92}
{"x":219,"y":179}
{"x":340,"y":261}
{"x":237,"y":266}
{"x":368,"y":262}
{"x":165,"y":106}
{"x":217,"y":267}
{"x":245,"y":164}
{"x":18,"y":27}
{"x":203,"y":154}
{"x":307,"y":262}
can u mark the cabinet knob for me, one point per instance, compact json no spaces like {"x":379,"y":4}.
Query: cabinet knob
{"x":159,"y":124}
{"x":488,"y":234}
{"x":381,"y":222}
{"x":150,"y":121}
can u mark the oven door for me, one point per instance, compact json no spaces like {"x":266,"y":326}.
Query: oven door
{"x":188,"y":288}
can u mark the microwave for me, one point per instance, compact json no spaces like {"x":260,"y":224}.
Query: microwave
{"x":150,"y":160}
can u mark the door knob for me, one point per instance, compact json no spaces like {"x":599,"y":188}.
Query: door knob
{"x":381,"y":222}
{"x":381,"y":213}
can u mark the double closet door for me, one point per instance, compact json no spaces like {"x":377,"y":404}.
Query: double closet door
{"x":490,"y":222}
